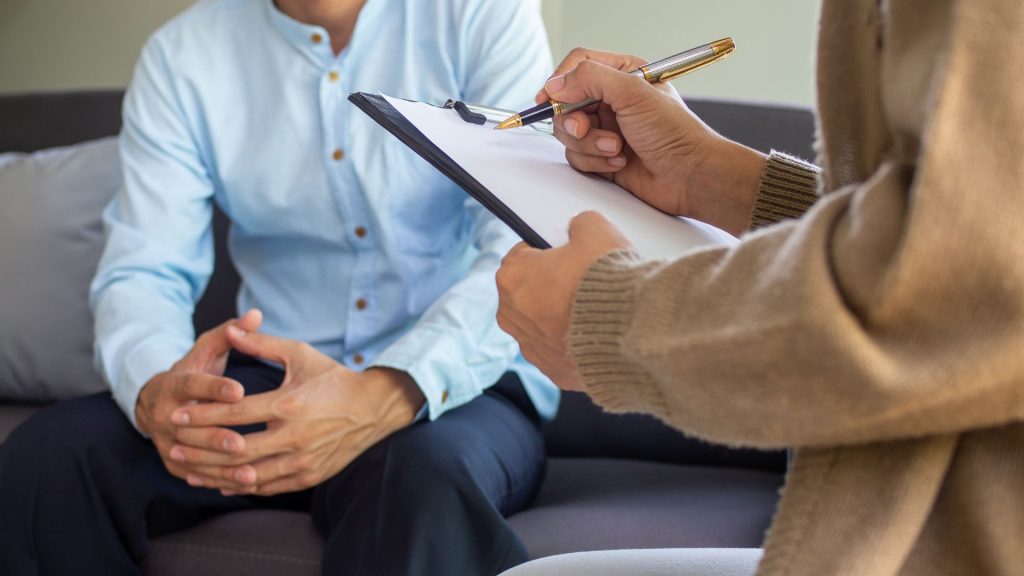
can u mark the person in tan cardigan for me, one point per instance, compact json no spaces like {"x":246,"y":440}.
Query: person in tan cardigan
{"x":873,"y":320}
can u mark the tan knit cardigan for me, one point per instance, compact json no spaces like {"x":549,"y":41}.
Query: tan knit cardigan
{"x":879,"y":331}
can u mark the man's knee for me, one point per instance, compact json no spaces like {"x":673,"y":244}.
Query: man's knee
{"x":58,"y":435}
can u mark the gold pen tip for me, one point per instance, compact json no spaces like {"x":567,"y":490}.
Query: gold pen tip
{"x":724,"y":46}
{"x":513,"y":122}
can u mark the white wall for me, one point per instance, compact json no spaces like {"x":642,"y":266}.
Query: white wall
{"x":68,"y":44}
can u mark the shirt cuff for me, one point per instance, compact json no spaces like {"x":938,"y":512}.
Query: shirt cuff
{"x":139,"y":368}
{"x":437,"y":364}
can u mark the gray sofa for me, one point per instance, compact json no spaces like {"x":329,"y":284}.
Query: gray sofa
{"x":612,"y":481}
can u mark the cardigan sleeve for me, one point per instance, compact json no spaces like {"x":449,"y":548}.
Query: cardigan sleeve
{"x":892,"y":309}
{"x":789,"y":187}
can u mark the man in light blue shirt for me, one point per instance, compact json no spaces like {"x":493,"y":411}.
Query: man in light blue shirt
{"x":406,"y":420}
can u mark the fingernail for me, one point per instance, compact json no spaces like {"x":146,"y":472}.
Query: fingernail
{"x":554,"y":85}
{"x":245,"y":475}
{"x":180,"y":417}
{"x":227,"y":390}
{"x":236,"y":331}
{"x":194,"y":481}
{"x":177,"y":454}
{"x":227,"y":493}
{"x":571,"y":126}
{"x":231,"y":445}
{"x":541,"y":95}
{"x":618,"y":161}
{"x":607,"y":144}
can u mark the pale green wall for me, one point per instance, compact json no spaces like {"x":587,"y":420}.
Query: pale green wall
{"x":67,"y":44}
{"x":62,"y":44}
{"x":775,"y":40}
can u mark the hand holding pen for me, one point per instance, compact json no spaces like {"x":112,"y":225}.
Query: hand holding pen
{"x":663,"y":70}
{"x":644,"y":138}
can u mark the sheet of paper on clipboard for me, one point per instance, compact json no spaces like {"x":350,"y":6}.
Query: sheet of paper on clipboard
{"x":522,"y":176}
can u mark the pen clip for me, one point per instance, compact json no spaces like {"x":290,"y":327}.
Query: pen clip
{"x":494,"y":115}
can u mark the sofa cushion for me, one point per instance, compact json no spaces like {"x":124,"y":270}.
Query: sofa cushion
{"x":607,"y":504}
{"x":250,"y":543}
{"x":50,"y":242}
{"x":11,"y":415}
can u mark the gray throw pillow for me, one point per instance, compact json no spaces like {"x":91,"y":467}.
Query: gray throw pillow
{"x":51,"y":238}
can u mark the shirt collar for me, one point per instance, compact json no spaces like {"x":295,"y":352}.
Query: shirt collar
{"x":312,"y":41}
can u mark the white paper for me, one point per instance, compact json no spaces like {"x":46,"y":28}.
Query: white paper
{"x":528,"y":172}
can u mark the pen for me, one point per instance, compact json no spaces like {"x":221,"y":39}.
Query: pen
{"x":656,"y":72}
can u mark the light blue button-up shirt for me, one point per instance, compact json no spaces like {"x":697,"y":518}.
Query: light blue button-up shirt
{"x":342,"y":236}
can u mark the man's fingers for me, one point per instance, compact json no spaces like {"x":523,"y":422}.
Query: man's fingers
{"x":200,"y":386}
{"x":200,"y":457}
{"x":254,"y":409}
{"x":295,"y":483}
{"x":280,"y":350}
{"x":251,"y":320}
{"x":214,"y":342}
{"x":212,"y":438}
{"x":220,"y":477}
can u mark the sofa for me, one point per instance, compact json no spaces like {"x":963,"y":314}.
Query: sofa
{"x":612,"y":481}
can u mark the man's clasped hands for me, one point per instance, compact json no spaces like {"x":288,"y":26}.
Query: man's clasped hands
{"x":319,"y":420}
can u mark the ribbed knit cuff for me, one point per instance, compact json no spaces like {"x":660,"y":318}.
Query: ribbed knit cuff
{"x":601,"y":316}
{"x":789,"y":186}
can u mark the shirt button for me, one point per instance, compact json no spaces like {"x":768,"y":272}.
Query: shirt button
{"x":361,"y":304}
{"x":338,"y":155}
{"x":444,"y":397}
{"x":358,"y":358}
{"x":316,"y":38}
{"x":360,"y":232}
{"x":333,"y":76}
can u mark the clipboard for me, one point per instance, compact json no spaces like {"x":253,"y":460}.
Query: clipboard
{"x":523,"y":178}
{"x":382,"y":112}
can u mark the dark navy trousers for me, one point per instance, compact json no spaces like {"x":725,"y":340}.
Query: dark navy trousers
{"x":81,"y":492}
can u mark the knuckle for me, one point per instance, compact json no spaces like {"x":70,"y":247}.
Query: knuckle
{"x":235,"y":411}
{"x":587,"y":67}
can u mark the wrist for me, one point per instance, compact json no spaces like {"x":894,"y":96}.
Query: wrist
{"x":403,"y":397}
{"x":728,"y":185}
{"x":143,"y":404}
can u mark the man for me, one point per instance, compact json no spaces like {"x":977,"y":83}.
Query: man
{"x":876,"y":327}
{"x":359,"y":384}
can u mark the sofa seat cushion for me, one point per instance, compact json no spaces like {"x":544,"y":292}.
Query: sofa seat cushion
{"x":607,"y":504}
{"x":253,"y":543}
{"x":13,"y":414}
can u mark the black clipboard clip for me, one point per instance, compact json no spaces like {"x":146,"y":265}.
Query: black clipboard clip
{"x":481,"y":115}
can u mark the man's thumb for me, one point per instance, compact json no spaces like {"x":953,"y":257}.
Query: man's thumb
{"x":250,"y":321}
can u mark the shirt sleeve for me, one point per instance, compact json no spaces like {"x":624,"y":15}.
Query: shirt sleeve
{"x":456,"y":349}
{"x":891,"y":310}
{"x":159,"y":252}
